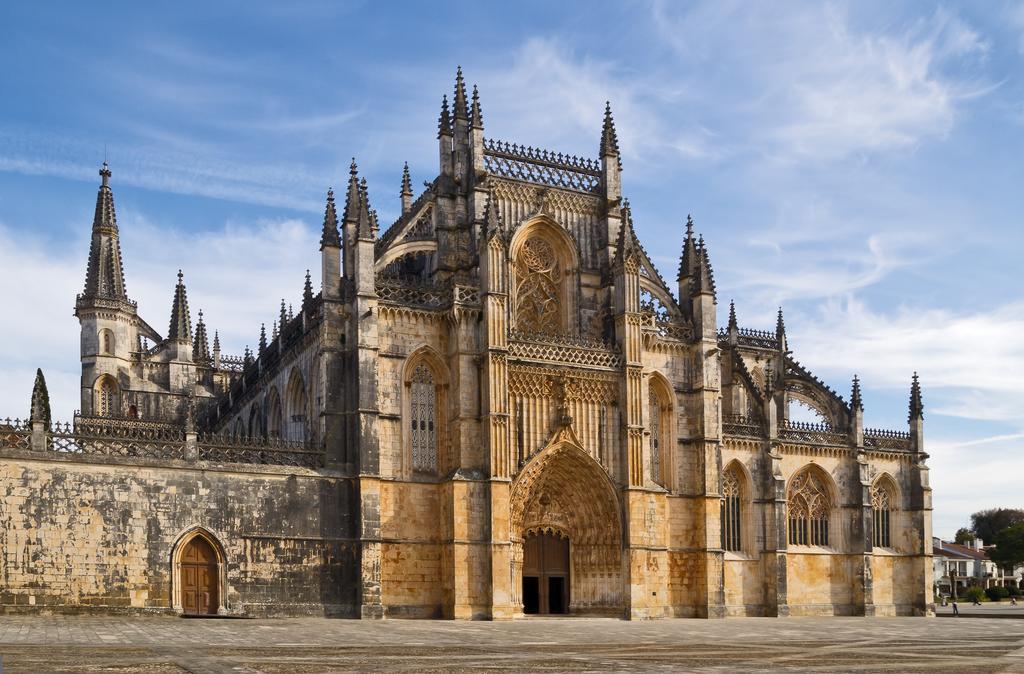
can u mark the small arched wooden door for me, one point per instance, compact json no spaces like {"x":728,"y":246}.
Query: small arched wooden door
{"x":199,"y":576}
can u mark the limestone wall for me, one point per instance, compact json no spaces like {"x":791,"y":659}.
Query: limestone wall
{"x":78,"y":536}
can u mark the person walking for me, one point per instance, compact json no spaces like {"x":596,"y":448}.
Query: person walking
{"x":956,"y":609}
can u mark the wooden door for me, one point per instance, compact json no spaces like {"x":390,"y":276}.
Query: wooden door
{"x":199,"y":578}
{"x":545,"y":574}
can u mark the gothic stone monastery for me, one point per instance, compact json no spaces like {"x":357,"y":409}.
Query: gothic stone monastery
{"x":494,"y":407}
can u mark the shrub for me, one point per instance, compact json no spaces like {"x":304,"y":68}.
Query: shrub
{"x":1014,"y":592}
{"x":997,"y":593}
{"x":974,"y":594}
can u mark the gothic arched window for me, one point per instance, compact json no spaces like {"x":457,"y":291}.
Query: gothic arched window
{"x":882,"y":501}
{"x":274,"y":414}
{"x":809,"y":510}
{"x":106,"y":399}
{"x":106,"y":342}
{"x":660,"y":426}
{"x":732,"y":503}
{"x":423,"y":419}
{"x":538,"y":288}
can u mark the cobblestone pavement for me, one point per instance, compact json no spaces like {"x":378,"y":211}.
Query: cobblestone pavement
{"x":159,"y":645}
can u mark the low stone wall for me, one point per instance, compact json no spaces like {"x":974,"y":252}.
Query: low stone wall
{"x":81,"y":534}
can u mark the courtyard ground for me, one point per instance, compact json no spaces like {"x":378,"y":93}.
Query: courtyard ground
{"x":165,"y":645}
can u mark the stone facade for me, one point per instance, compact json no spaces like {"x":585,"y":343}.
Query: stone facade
{"x":503,"y":361}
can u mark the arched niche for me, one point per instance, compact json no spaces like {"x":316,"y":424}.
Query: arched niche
{"x":661,"y":429}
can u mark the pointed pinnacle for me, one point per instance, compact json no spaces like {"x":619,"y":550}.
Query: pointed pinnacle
{"x":406,"y":181}
{"x":461,"y":111}
{"x":284,"y":313}
{"x":780,"y":325}
{"x":733,"y":325}
{"x":475,"y":113}
{"x":609,"y":139}
{"x":856,"y":403}
{"x":352,"y":196}
{"x":444,"y":121}
{"x":329,"y":236}
{"x":688,"y":259}
{"x":916,"y":405}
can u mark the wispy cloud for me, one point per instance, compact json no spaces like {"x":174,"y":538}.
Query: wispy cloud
{"x":829,"y":89}
{"x":964,"y":358}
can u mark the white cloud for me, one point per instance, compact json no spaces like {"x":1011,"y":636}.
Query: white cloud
{"x":967,"y":360}
{"x":236,"y":274}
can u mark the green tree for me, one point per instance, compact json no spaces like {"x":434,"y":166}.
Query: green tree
{"x":986,"y":524}
{"x":1009,"y":550}
{"x":963,"y":536}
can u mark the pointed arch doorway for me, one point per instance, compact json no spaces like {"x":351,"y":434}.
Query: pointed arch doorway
{"x":198,"y":565}
{"x":545,"y":573}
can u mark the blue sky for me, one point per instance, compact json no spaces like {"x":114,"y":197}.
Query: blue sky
{"x":858,"y":163}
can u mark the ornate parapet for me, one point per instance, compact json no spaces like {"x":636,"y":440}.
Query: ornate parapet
{"x":534,"y":165}
{"x":136,"y":439}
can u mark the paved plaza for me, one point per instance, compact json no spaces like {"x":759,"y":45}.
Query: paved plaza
{"x":165,"y":645}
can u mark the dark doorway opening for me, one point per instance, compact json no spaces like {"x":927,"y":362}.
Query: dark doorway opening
{"x":546,"y":574}
{"x":531,"y":594}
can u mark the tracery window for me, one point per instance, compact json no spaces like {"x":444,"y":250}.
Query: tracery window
{"x":423,"y":419}
{"x":809,"y":510}
{"x":881,"y":507}
{"x":731,"y":511}
{"x":538,"y":283}
{"x":106,"y":399}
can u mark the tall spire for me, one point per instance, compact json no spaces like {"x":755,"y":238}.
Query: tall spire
{"x":916,"y":406}
{"x":216,"y":342}
{"x":461,"y":111}
{"x":201,"y":345}
{"x":856,"y":403}
{"x":104,"y":276}
{"x":181,"y":322}
{"x":40,"y":410}
{"x":263,"y":337}
{"x":609,"y":139}
{"x":475,"y":114}
{"x":444,"y":122}
{"x":284,"y":315}
{"x":733,"y":325}
{"x":330,"y":237}
{"x":780,"y":325}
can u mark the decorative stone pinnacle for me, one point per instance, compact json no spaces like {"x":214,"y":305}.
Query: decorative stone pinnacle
{"x":856,"y":404}
{"x":733,"y":325}
{"x":444,"y":121}
{"x":461,"y":110}
{"x":475,"y":112}
{"x":406,"y":181}
{"x":916,"y":405}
